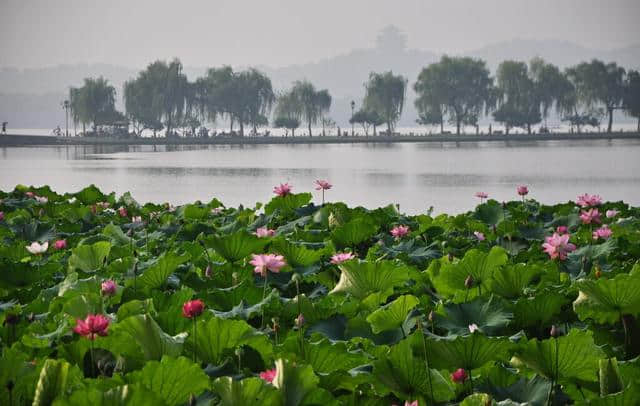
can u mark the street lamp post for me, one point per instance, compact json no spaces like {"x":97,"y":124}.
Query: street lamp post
{"x":353,"y":106}
{"x":66,"y":106}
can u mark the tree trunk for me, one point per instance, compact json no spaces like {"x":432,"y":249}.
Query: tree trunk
{"x":639,"y":124}
{"x":293,"y":132}
{"x":528,"y":128}
{"x":457,"y":126}
{"x":241,"y":127}
{"x":310,"y":128}
{"x":610,"y":111}
{"x":441,"y":126}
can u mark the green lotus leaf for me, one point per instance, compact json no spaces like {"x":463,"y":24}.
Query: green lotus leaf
{"x":405,"y":374}
{"x":577,"y":356}
{"x":297,"y":255}
{"x":153,"y":342}
{"x":215,"y":337}
{"x":326,"y":357}
{"x":450,"y":280}
{"x":156,"y":275}
{"x":362,"y":278}
{"x":299,"y":385}
{"x":532,"y":391}
{"x":15,"y":367}
{"x":91,"y":195}
{"x":511,"y":280}
{"x":174,"y":380}
{"x":477,"y":399}
{"x":468,"y":352}
{"x":606,"y":300}
{"x":393,"y":315}
{"x":540,"y":309}
{"x":490,"y":213}
{"x":193,"y":212}
{"x":239,"y":245}
{"x":353,"y":232}
{"x":89,"y":258}
{"x":287,"y":203}
{"x":116,"y":235}
{"x":609,"y":376}
{"x":245,"y":392}
{"x":125,"y":395}
{"x":55,"y":377}
{"x":488,"y":315}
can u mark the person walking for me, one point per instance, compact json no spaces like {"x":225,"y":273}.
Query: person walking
{"x":4,"y":127}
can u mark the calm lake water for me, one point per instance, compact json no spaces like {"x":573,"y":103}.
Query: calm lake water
{"x":416,"y":176}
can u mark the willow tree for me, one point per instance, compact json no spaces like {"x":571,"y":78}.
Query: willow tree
{"x":459,"y":87}
{"x":313,"y":103}
{"x":385,"y":95}
{"x":631,"y":101}
{"x":252,"y":98}
{"x":552,"y":87}
{"x":518,"y":98}
{"x":288,"y":111}
{"x":93,"y":103}
{"x":140,"y":105}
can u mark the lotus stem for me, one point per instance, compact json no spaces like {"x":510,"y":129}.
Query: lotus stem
{"x":264,"y":294}
{"x":626,"y":332}
{"x":426,"y":360}
{"x":93,"y":367}
{"x":195,"y":341}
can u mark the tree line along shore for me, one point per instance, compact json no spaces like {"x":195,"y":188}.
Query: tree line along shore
{"x":456,"y":90}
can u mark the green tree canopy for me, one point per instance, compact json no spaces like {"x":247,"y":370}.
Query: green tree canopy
{"x":631,"y":101}
{"x":385,"y":94}
{"x":459,"y":87}
{"x":518,"y":96}
{"x":94,"y":103}
{"x":313,"y":103}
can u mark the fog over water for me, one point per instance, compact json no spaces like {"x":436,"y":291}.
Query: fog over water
{"x":415,"y":176}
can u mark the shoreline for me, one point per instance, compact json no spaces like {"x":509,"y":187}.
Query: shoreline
{"x":10,"y":140}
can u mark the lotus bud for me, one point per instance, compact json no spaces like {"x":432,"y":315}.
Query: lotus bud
{"x":239,"y":352}
{"x":431,"y":316}
{"x":299,"y":320}
{"x":296,"y":278}
{"x":554,"y":331}
{"x":468,"y":283}
{"x":207,"y":271}
{"x":276,"y":325}
{"x":234,"y":277}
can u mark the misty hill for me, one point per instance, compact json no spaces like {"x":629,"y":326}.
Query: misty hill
{"x":29,"y":98}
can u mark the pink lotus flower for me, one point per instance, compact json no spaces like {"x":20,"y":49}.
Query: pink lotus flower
{"x":587,"y":200}
{"x":299,"y":321}
{"x":399,"y":231}
{"x":558,"y":246}
{"x":611,"y":213}
{"x":122,"y":211}
{"x":192,"y":308}
{"x":591,"y":216}
{"x":482,"y":196}
{"x":267,"y":262}
{"x":36,"y":248}
{"x":323,"y":184}
{"x":341,"y":257}
{"x":562,"y":230}
{"x":523,"y":190}
{"x":459,"y":376}
{"x":264,"y":232}
{"x":216,"y":210}
{"x":480,"y":236}
{"x":603,"y":232}
{"x":268,"y":375}
{"x":283,"y":189}
{"x":94,"y":325}
{"x":108,"y":288}
{"x":30,"y":195}
{"x":407,"y":403}
{"x":41,"y":199}
{"x":60,"y":244}
{"x":1,"y":215}
{"x":104,"y":205}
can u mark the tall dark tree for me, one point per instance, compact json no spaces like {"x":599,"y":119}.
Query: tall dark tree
{"x":598,"y":83}
{"x":518,"y":96}
{"x":552,"y":87}
{"x":94,"y":103}
{"x":288,"y":111}
{"x":385,"y":95}
{"x":313,"y":103}
{"x":459,"y":87}
{"x":631,"y":102}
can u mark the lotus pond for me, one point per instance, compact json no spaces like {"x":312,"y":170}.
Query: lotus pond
{"x":106,"y":301}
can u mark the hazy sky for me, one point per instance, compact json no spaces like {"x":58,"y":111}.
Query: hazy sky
{"x":282,"y":32}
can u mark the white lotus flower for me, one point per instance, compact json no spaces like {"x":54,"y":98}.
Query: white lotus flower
{"x":473,"y":328}
{"x":41,"y":199}
{"x":36,"y":248}
{"x":136,"y":219}
{"x":72,"y":200}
